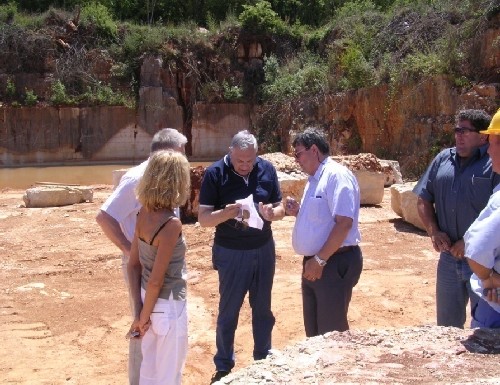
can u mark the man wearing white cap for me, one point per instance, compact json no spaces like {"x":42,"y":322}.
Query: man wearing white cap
{"x":482,"y":245}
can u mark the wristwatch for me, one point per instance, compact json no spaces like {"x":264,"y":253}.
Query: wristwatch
{"x":320,"y":261}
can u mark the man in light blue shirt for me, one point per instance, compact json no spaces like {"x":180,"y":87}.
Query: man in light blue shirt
{"x":326,"y":233}
{"x":482,"y":245}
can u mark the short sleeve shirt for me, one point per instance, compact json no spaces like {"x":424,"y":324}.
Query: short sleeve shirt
{"x":332,"y":190}
{"x":482,"y":242}
{"x":458,"y":193}
{"x":122,"y":204}
{"x":221,"y":186}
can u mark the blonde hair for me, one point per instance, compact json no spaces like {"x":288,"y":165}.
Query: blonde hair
{"x":166,"y":183}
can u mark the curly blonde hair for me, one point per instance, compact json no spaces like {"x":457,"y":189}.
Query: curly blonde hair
{"x":166,"y":183}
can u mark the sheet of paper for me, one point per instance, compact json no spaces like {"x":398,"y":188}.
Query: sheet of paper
{"x":249,"y":213}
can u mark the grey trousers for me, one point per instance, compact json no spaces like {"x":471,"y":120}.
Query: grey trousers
{"x":134,"y":348}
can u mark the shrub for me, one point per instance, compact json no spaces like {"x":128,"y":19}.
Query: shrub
{"x":59,"y":95}
{"x":418,"y":65}
{"x":357,"y":71}
{"x":232,"y":93}
{"x":304,"y":75}
{"x":96,"y":16}
{"x":211,"y":92}
{"x":30,"y":98}
{"x":10,"y":88}
{"x":103,"y":94}
{"x":8,"y":13}
{"x":260,"y":18}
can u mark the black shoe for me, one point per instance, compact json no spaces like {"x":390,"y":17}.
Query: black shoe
{"x":218,"y":375}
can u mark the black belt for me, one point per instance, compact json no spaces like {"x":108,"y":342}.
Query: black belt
{"x":340,"y":250}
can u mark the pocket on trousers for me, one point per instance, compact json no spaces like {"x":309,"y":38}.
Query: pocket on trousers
{"x":174,"y":317}
{"x":160,"y":323}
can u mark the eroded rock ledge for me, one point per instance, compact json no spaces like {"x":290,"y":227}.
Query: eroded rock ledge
{"x":413,"y":355}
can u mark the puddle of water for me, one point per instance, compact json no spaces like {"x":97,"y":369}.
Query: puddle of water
{"x":25,"y":177}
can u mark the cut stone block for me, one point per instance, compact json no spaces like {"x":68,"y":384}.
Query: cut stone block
{"x":404,"y":203}
{"x":60,"y":195}
{"x":371,"y":186}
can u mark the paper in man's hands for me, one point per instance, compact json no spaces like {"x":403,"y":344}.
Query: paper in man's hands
{"x":249,"y":214}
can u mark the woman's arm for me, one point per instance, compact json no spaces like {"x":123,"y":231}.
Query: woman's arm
{"x":134,"y":271}
{"x":166,"y":241}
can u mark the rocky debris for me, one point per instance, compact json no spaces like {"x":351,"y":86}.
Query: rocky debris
{"x":52,"y":195}
{"x":284,"y":163}
{"x":363,"y":161}
{"x":412,"y":355}
{"x":369,"y":162}
{"x":404,"y":203}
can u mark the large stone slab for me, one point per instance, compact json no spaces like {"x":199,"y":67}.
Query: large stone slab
{"x":392,"y":172}
{"x":57,"y":195}
{"x":371,"y":186}
{"x":404,"y":203}
{"x":292,"y":185}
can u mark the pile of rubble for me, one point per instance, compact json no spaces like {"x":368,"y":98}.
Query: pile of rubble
{"x":413,"y":355}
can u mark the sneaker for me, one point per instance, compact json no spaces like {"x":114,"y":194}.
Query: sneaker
{"x":218,"y":375}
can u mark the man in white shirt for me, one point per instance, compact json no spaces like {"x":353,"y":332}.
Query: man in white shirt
{"x":117,"y":219}
{"x":326,"y":233}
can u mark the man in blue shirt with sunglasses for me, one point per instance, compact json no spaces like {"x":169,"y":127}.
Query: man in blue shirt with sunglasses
{"x":451,"y":194}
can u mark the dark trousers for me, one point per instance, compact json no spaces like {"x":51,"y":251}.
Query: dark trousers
{"x":484,"y":316}
{"x":242,"y":271}
{"x":326,"y":301}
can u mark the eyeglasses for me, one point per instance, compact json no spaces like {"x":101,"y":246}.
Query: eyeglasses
{"x":297,"y":154}
{"x":464,"y":130}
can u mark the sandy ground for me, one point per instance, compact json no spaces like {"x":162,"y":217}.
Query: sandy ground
{"x":64,"y":309}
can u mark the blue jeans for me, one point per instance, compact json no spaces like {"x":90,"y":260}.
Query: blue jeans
{"x":453,"y":291}
{"x":242,"y":271}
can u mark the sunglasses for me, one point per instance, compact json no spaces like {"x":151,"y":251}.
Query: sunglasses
{"x":297,"y":154}
{"x":464,"y":130}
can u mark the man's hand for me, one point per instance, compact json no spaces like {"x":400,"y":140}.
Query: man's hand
{"x":292,"y":207}
{"x":312,"y":270}
{"x":458,"y":249}
{"x":266,"y":211}
{"x":440,"y":241}
{"x":231,"y":211}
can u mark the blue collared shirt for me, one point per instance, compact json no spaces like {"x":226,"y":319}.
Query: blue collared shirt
{"x":459,"y":193}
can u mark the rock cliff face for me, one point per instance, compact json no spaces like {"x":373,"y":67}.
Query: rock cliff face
{"x":401,"y":123}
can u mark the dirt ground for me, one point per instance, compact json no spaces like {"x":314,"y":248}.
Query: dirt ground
{"x":64,"y":309}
